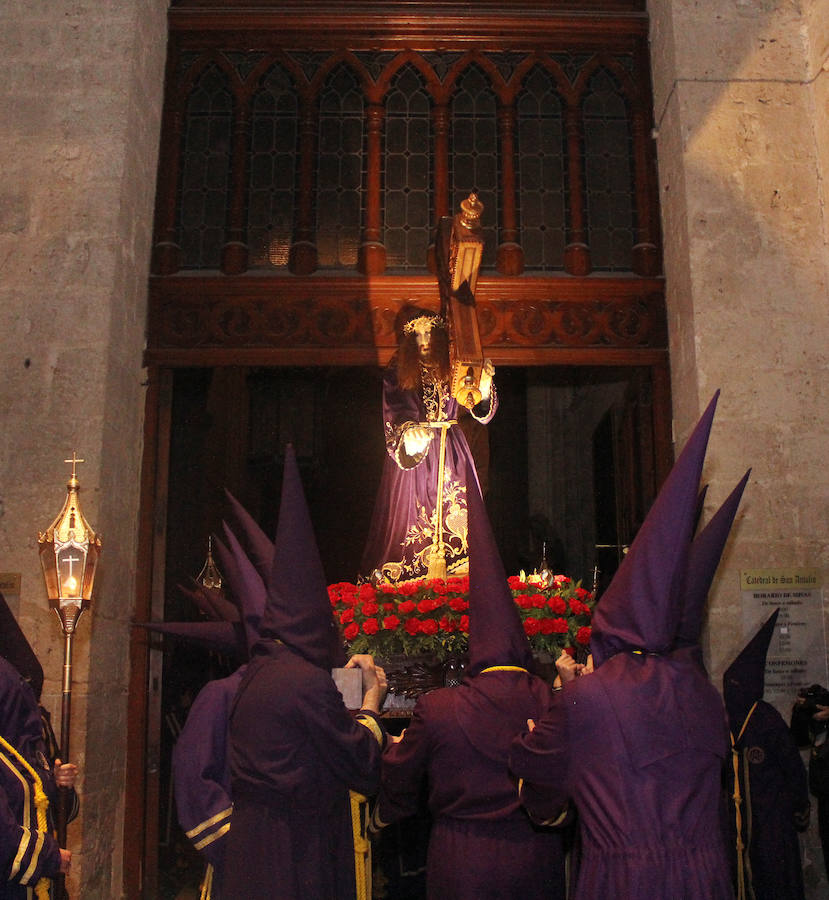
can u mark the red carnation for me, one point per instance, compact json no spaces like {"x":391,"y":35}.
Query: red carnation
{"x":370,"y":626}
{"x":464,"y":623}
{"x":559,"y":626}
{"x":351,"y":631}
{"x":583,"y":635}
{"x":582,"y":594}
{"x":531,"y":625}
{"x":429,"y":626}
{"x":367,"y":591}
{"x":390,"y":623}
{"x":408,"y":588}
{"x":516,"y":583}
{"x":406,"y":607}
{"x":346,"y":616}
{"x":370,"y":609}
{"x":427,"y":605}
{"x":458,"y":604}
{"x":388,"y":607}
{"x":557,"y":605}
{"x":412,"y":626}
{"x":447,"y":625}
{"x":539,"y":601}
{"x":546,"y":626}
{"x":388,"y":588}
{"x":577,"y":607}
{"x":523,"y":601}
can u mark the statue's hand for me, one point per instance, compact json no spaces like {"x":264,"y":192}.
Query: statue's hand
{"x":487,"y":374}
{"x":416,"y":439}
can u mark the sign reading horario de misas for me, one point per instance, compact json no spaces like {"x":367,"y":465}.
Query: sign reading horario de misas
{"x":797,"y":652}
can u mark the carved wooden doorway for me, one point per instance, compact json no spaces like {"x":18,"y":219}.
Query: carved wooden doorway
{"x":307,"y":154}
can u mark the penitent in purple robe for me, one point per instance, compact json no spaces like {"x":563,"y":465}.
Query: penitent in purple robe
{"x":638,"y":748}
{"x":483,"y":845}
{"x":295,"y":752}
{"x":28,"y":851}
{"x":201,"y":772}
{"x":403,"y":524}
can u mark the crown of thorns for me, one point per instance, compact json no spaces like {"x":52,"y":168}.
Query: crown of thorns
{"x":422,"y":321}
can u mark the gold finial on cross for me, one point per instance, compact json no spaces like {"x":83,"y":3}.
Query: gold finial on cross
{"x":74,"y":462}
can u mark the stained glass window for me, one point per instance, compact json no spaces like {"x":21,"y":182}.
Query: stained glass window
{"x":473,"y":158}
{"x":202,"y":210}
{"x":541,"y":172}
{"x":407,"y":172}
{"x":271,"y":185}
{"x":340,"y":170}
{"x":608,"y":174}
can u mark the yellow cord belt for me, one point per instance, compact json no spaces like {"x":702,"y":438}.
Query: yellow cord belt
{"x":41,"y":806}
{"x":744,"y":890}
{"x":362,"y":845}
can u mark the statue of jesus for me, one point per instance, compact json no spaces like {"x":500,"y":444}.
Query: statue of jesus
{"x":419,"y":526}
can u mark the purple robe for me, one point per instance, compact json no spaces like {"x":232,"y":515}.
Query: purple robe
{"x":775,"y":805}
{"x":638,"y":748}
{"x":295,"y":751}
{"x":201,"y":772}
{"x":26,"y":853}
{"x":402,"y":527}
{"x":483,"y":845}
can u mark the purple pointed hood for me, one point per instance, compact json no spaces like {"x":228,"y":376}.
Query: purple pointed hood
{"x":641,"y":607}
{"x":703,"y":559}
{"x":245,"y":583}
{"x":257,"y":545}
{"x":744,"y":680}
{"x":298,"y":610}
{"x":15,"y":647}
{"x":222,"y":637}
{"x":496,"y":635}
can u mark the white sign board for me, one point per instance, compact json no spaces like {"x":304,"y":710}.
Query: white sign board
{"x":797,"y":652}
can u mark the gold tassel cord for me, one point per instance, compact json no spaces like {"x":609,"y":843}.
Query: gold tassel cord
{"x":362,"y":845}
{"x":738,"y":816}
{"x":207,"y":884}
{"x":41,"y":806}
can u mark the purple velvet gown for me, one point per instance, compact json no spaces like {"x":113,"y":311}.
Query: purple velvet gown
{"x":26,"y":853}
{"x":638,"y":748}
{"x":295,"y":751}
{"x":483,"y":845}
{"x":403,"y":524}
{"x":201,"y":773}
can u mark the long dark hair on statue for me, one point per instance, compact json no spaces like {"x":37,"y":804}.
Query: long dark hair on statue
{"x":408,"y":356}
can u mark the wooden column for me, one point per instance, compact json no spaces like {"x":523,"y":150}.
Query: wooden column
{"x":302,"y":259}
{"x":235,"y":249}
{"x":372,"y":259}
{"x":166,"y":250}
{"x":576,"y":252}
{"x":645,"y":252}
{"x":510,"y":256}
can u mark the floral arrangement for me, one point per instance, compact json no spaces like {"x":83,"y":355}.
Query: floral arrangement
{"x":430,"y":617}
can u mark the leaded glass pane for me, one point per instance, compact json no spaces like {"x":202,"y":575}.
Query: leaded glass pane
{"x":340,"y":170}
{"x":473,"y":156}
{"x":541,"y":172}
{"x":272,"y":161}
{"x":202,"y":208}
{"x":407,"y":172}
{"x":609,"y":180}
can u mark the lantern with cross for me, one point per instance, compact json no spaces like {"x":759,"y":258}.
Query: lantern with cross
{"x":69,"y":551}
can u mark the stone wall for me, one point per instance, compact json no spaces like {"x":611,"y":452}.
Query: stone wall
{"x":740,"y":104}
{"x":80,"y":106}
